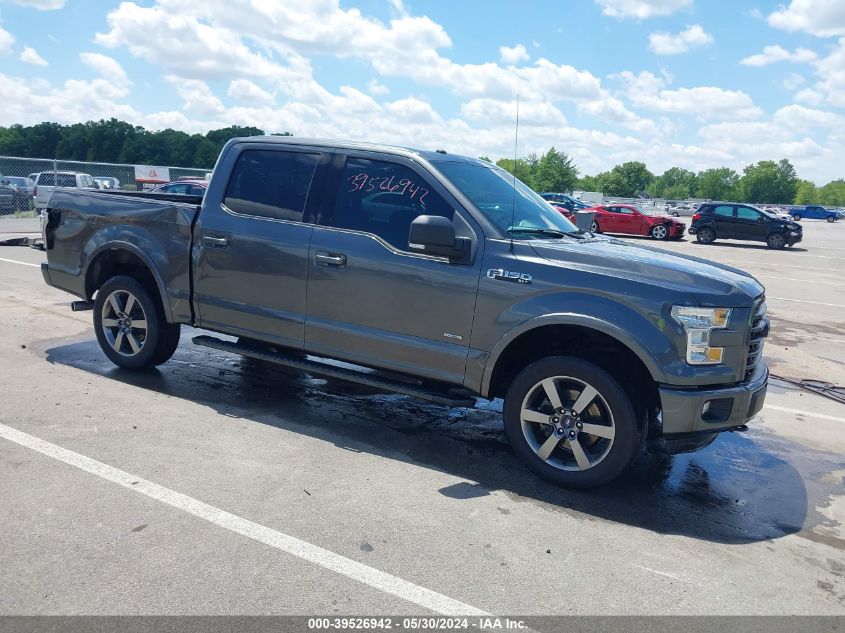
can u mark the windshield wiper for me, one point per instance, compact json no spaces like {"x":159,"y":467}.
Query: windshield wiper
{"x":539,"y":231}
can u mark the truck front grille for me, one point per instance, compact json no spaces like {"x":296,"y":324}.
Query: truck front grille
{"x":758,"y":335}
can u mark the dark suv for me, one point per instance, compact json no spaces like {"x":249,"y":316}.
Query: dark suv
{"x":733,"y":221}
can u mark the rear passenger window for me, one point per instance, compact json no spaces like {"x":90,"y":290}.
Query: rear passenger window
{"x":271,"y":184}
{"x":725,"y":211}
{"x":383,"y":199}
{"x":66,"y":180}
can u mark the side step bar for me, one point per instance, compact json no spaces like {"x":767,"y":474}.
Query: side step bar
{"x":444,"y":398}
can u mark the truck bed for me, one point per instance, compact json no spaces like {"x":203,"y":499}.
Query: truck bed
{"x":156,"y":228}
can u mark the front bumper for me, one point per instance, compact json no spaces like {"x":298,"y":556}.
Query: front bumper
{"x":793,"y":237}
{"x":729,"y":407}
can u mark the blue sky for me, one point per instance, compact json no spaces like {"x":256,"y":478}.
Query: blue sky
{"x":695,"y":83}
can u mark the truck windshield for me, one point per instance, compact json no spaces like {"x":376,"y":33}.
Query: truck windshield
{"x":514,"y":213}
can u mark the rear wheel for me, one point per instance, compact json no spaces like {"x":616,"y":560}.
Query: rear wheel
{"x":830,"y":218}
{"x":706,"y":235}
{"x":797,"y":217}
{"x":130,"y":325}
{"x":776,"y":240}
{"x":594,"y":227}
{"x":659,"y":232}
{"x":571,"y":422}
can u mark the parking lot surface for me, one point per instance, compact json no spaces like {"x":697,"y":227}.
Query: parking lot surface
{"x":215,"y":485}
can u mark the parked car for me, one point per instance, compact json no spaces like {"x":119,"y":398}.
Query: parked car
{"x":107,"y":182}
{"x":429,"y":274}
{"x":185,"y":187}
{"x":778,"y":212}
{"x":24,"y":189}
{"x":813,"y":212}
{"x":631,"y":220}
{"x":7,"y":197}
{"x":682,"y":209}
{"x":566,"y":201}
{"x":733,"y":221}
{"x":48,"y":181}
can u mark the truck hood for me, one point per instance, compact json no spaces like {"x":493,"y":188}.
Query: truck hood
{"x":710,"y":283}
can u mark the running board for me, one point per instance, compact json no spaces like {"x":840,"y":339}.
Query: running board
{"x":444,"y":398}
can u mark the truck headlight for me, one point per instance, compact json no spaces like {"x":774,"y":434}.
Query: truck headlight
{"x":698,"y":323}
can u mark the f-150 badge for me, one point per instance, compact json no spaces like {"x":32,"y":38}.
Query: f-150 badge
{"x":507,"y":275}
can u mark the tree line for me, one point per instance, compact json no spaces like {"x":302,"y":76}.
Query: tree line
{"x":113,"y":141}
{"x":765,"y":182}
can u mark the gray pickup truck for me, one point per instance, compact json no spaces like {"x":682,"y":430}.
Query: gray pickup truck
{"x":429,"y":274}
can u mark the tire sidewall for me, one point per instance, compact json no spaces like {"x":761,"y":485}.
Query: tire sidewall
{"x":772,"y":237}
{"x":628,"y":437}
{"x":654,"y":231}
{"x":706,"y":231}
{"x":144,"y":358}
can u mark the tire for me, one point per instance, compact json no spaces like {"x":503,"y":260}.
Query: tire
{"x":659,"y":232}
{"x":706,"y":235}
{"x":676,"y":214}
{"x":797,"y":217}
{"x":117,"y":324}
{"x":595,"y":228}
{"x":776,"y":241}
{"x":542,"y":438}
{"x":830,"y":218}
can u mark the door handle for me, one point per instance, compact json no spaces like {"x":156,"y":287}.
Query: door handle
{"x":215,"y":242}
{"x":334,"y":260}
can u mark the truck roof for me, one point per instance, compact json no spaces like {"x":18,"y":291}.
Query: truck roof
{"x":431,"y":156}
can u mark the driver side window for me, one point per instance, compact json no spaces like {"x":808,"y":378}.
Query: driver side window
{"x":383,"y":199}
{"x":746,"y":213}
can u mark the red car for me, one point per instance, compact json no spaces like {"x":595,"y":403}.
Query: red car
{"x":628,"y":219}
{"x":564,"y":211}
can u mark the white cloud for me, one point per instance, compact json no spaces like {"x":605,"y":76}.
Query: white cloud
{"x":247,"y":91}
{"x":197,"y":95}
{"x":6,"y":41}
{"x":642,"y":9}
{"x":376,"y":88}
{"x":30,"y":56}
{"x":793,"y":81}
{"x":502,"y":113}
{"x":823,"y":18}
{"x":107,"y":67}
{"x":648,"y":91}
{"x":513,"y":55}
{"x":673,"y":44}
{"x":776,"y":53}
{"x":41,"y":5}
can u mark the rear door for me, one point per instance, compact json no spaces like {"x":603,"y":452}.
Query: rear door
{"x":370,"y":299}
{"x":251,"y":242}
{"x":725,"y":223}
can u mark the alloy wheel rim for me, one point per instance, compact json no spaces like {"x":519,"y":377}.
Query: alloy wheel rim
{"x":124,"y":323}
{"x":567,"y":423}
{"x":660,"y":232}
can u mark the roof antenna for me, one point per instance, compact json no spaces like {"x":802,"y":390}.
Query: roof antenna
{"x":515,"y":146}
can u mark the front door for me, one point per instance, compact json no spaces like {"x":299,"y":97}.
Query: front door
{"x":750,"y":224}
{"x":370,"y":300}
{"x":251,"y":243}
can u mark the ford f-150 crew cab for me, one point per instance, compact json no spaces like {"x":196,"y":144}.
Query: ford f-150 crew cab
{"x":430,"y":274}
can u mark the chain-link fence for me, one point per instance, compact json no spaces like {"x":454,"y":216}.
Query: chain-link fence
{"x":19,"y":178}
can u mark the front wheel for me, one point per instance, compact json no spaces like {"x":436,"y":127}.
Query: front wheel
{"x":776,"y":240}
{"x":571,"y":422}
{"x":705,"y":236}
{"x":659,"y":232}
{"x":130,"y":325}
{"x":797,"y":217}
{"x":676,"y":214}
{"x":830,"y":218}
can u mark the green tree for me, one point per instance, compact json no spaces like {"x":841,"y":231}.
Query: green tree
{"x":519,"y":168}
{"x":806,"y":193}
{"x":589,"y":183}
{"x":768,"y":182}
{"x":717,"y":184}
{"x":555,"y":172}
{"x":627,"y":180}
{"x":832,"y":194}
{"x":675,"y":183}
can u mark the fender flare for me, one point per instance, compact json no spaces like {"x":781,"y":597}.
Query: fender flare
{"x":569,"y":318}
{"x":117,"y":245}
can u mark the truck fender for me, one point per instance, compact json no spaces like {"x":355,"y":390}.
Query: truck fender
{"x":100,"y":242}
{"x":568,"y":318}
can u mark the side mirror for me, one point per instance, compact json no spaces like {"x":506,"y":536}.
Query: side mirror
{"x":435,"y":235}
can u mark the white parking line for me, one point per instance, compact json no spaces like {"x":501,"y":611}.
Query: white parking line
{"x":818,"y":303}
{"x":823,"y":416}
{"x":359,"y":572}
{"x":803,"y":281}
{"x":14,"y":261}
